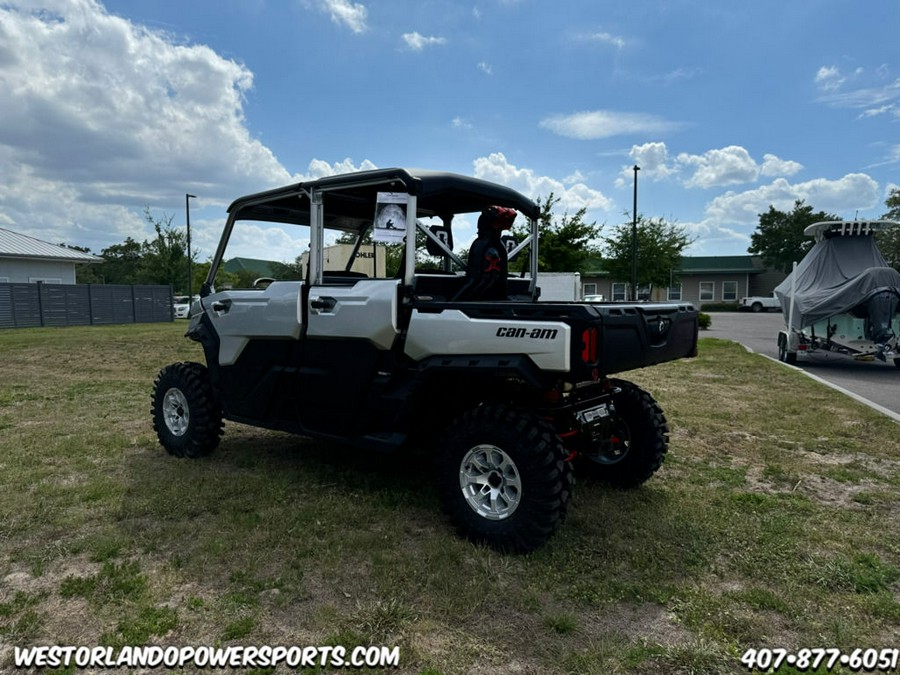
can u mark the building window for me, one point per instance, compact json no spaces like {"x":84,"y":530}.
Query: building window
{"x":46,"y":280}
{"x":729,"y":290}
{"x":707,"y":291}
{"x":675,"y":292}
{"x":589,"y":289}
{"x":619,"y":292}
{"x":4,"y":280}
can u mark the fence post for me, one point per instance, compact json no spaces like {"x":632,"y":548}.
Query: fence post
{"x":133,"y":306}
{"x":40,"y":293}
{"x":90,"y":304}
{"x":12,"y":306}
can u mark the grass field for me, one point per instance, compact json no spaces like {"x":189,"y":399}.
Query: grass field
{"x":772,"y":523}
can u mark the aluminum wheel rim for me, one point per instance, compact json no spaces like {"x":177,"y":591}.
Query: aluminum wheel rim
{"x":490,"y":482}
{"x":175,"y":412}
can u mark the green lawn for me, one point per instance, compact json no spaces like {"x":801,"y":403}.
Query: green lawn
{"x":772,"y":523}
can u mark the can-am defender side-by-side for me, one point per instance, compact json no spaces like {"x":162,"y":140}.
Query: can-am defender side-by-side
{"x":460,"y":359}
{"x":842,"y":297}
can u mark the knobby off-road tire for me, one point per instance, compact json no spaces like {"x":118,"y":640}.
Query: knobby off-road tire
{"x":639,"y":444}
{"x":504,"y":479}
{"x":186,"y":417}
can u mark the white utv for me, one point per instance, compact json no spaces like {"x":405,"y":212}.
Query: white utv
{"x":462,"y":359}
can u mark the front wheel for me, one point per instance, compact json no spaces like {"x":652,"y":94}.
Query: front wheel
{"x":504,"y":478}
{"x":637,"y":443}
{"x":186,"y":417}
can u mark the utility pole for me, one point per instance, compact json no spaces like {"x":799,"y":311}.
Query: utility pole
{"x":187,"y":211}
{"x":634,"y":293}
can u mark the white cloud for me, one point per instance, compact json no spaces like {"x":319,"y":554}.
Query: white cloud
{"x":653,"y":160}
{"x":353,"y":15}
{"x":874,"y":93}
{"x":264,"y":241}
{"x":829,"y":78}
{"x":595,"y":124}
{"x":732,"y":165}
{"x":715,"y":168}
{"x":723,"y":166}
{"x":841,"y":197}
{"x":496,"y":168}
{"x":485,"y":68}
{"x":319,"y":168}
{"x":775,"y":166}
{"x":608,"y":39}
{"x":680,"y":75}
{"x":460,"y":123}
{"x":417,"y":42}
{"x":105,"y":115}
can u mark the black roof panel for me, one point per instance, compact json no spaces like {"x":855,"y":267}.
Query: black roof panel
{"x":353,"y":194}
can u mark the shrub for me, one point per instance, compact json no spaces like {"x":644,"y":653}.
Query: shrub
{"x":705,"y":321}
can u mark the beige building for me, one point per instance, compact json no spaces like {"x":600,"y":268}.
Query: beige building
{"x":700,"y":280}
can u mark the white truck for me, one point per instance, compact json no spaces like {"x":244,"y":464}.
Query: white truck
{"x":760,"y":303}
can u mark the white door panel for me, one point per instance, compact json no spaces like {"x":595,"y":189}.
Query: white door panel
{"x":241,"y":315}
{"x":367,"y":309}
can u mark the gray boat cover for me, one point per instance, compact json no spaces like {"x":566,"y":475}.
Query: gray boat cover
{"x":834,"y":277}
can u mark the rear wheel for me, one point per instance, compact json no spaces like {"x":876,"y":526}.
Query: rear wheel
{"x":504,"y":478}
{"x":637,"y":444}
{"x":186,"y":417}
{"x":756,"y":307}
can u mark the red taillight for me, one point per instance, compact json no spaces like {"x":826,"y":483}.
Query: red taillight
{"x":589,"y":340}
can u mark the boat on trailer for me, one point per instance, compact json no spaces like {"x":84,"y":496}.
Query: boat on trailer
{"x":843,"y":296}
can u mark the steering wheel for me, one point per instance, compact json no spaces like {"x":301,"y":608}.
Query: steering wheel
{"x":263,"y":282}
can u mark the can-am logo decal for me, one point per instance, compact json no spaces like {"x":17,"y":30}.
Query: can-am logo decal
{"x":534,"y":333}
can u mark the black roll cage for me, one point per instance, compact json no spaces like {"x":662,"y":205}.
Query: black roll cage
{"x":346,"y":202}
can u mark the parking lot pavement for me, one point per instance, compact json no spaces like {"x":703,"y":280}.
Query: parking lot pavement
{"x":873,"y":381}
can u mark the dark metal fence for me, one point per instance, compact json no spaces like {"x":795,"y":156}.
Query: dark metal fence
{"x":40,"y":304}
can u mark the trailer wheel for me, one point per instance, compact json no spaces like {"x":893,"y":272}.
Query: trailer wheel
{"x":186,"y":417}
{"x":504,"y":478}
{"x":638,"y":444}
{"x":784,"y":355}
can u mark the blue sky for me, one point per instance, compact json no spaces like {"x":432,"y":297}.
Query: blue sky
{"x":727,"y":107}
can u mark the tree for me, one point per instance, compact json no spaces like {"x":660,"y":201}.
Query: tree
{"x":779,"y":238}
{"x":120,"y":263}
{"x":566,"y":244}
{"x":659,"y":250}
{"x":164,"y":258}
{"x":223,"y":279}
{"x":889,"y":240}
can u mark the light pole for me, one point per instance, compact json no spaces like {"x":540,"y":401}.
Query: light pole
{"x":187,"y":211}
{"x":634,"y":239}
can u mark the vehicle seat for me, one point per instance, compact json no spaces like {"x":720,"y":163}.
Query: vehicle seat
{"x":488,"y":264}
